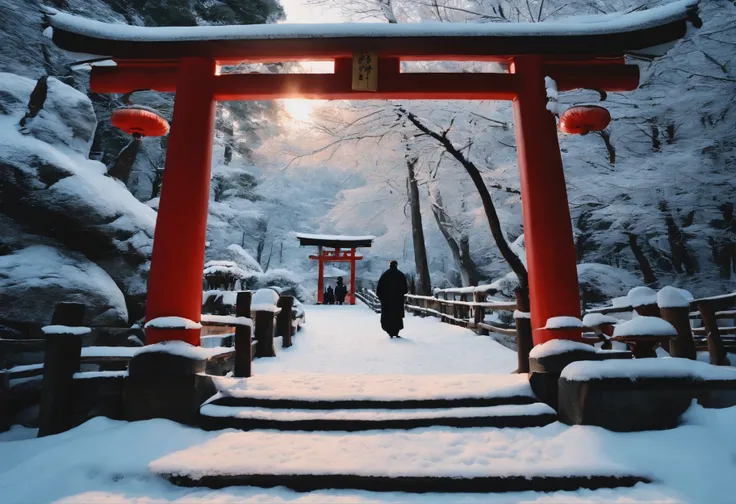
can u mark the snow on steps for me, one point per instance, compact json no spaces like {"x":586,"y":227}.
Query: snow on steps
{"x":425,"y":460}
{"x":335,"y":391}
{"x":214,"y":417}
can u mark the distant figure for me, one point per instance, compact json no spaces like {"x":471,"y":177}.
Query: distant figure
{"x":340,"y":291}
{"x":329,"y":296}
{"x":391,"y":290}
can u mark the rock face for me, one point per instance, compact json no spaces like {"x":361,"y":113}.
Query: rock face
{"x":52,"y":195}
{"x":34,"y":279}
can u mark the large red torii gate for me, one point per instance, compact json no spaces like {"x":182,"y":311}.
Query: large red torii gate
{"x":368,"y":57}
{"x":344,"y":250}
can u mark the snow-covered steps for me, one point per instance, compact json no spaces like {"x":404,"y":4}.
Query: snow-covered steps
{"x":429,"y":460}
{"x":214,"y":417}
{"x":322,"y":391}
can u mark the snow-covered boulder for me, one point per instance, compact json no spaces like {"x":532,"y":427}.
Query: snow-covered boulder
{"x":66,"y":118}
{"x":14,"y":93}
{"x":52,"y":191}
{"x":33,"y":280}
{"x":601,"y":282}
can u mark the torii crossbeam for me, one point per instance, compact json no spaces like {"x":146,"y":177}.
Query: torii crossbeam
{"x":185,"y":60}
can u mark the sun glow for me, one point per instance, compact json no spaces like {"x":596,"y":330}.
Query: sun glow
{"x":300,"y":109}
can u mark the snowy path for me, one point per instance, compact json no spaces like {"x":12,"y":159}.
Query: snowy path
{"x":349,"y":340}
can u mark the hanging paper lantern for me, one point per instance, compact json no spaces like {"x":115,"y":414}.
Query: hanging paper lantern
{"x":584,"y":119}
{"x":139,"y":121}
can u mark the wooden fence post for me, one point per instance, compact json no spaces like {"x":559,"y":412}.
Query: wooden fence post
{"x":61,"y":360}
{"x":716,"y":348}
{"x":243,"y":333}
{"x":283,"y":320}
{"x":683,"y":345}
{"x":524,"y":340}
{"x":479,"y":313}
{"x":264,"y":334}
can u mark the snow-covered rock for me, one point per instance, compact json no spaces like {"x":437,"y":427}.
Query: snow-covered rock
{"x":66,"y":119}
{"x":645,"y":326}
{"x":34,"y":279}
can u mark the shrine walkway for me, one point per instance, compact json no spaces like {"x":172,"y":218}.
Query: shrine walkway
{"x":349,"y":340}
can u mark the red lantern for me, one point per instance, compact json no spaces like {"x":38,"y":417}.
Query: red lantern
{"x":139,"y":121}
{"x":584,"y":119}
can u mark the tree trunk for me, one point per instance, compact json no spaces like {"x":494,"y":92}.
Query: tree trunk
{"x":123,"y":164}
{"x":646,"y":269}
{"x":417,"y":231}
{"x":460,"y":249}
{"x":490,"y":210}
{"x":676,"y":238}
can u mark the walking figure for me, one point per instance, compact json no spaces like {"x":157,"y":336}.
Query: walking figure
{"x":329,"y":296}
{"x":391,"y":290}
{"x":340,"y":291}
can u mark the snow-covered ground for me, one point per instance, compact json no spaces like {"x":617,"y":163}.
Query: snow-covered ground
{"x":349,"y":340}
{"x":105,"y":461}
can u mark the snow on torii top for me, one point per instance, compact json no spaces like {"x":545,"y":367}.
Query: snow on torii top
{"x":641,"y":32}
{"x":335,"y":241}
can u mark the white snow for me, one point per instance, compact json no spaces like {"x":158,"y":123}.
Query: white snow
{"x":265,"y":300}
{"x":645,"y":326}
{"x":25,"y":367}
{"x":641,"y":296}
{"x":327,"y":237}
{"x":214,"y":410}
{"x":522,"y":315}
{"x":671,"y":297}
{"x":375,"y":387}
{"x":552,"y":96}
{"x":227,"y":320}
{"x":62,"y":329}
{"x":100,"y":374}
{"x":647,"y":368}
{"x":589,"y":25}
{"x":349,"y":340}
{"x":108,"y":351}
{"x":596,"y":319}
{"x":229,"y":298}
{"x":559,"y":346}
{"x":172,"y":323}
{"x":183,"y":349}
{"x":562,"y":322}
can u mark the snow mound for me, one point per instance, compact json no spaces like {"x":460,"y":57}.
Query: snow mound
{"x":265,"y":300}
{"x":596,"y":319}
{"x":562,"y":322}
{"x":172,"y":323}
{"x":62,"y":329}
{"x":647,"y":368}
{"x":671,"y":297}
{"x":559,"y":346}
{"x":645,"y":326}
{"x":183,"y":349}
{"x":641,"y":296}
{"x":243,"y":259}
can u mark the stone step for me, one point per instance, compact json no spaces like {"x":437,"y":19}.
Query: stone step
{"x":379,"y":392}
{"x":215,"y":417}
{"x":423,"y":460}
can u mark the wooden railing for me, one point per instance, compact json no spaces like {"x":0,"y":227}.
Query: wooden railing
{"x":369,"y":298}
{"x":463,"y":309}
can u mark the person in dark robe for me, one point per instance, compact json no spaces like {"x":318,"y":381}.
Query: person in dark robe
{"x":340,"y":291}
{"x":329,"y":297}
{"x":391,"y":290}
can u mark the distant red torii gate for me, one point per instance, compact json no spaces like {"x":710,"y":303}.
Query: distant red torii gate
{"x":344,"y":250}
{"x":368,"y":66}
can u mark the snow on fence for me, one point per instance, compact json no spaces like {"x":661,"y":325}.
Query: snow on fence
{"x":469,"y":310}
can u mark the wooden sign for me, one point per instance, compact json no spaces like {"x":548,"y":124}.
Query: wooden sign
{"x":365,"y":71}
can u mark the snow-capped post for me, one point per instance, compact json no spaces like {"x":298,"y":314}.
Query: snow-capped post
{"x":550,"y":248}
{"x":283,"y":320}
{"x":265,"y":306}
{"x":175,"y":281}
{"x":243,"y":337}
{"x":675,"y":309}
{"x":61,"y":360}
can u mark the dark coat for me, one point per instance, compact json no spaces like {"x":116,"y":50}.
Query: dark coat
{"x":391,"y":290}
{"x":340,"y":292}
{"x":329,"y":297}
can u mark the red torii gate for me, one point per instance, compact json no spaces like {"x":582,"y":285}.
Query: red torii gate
{"x":367,"y":61}
{"x":343,"y":251}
